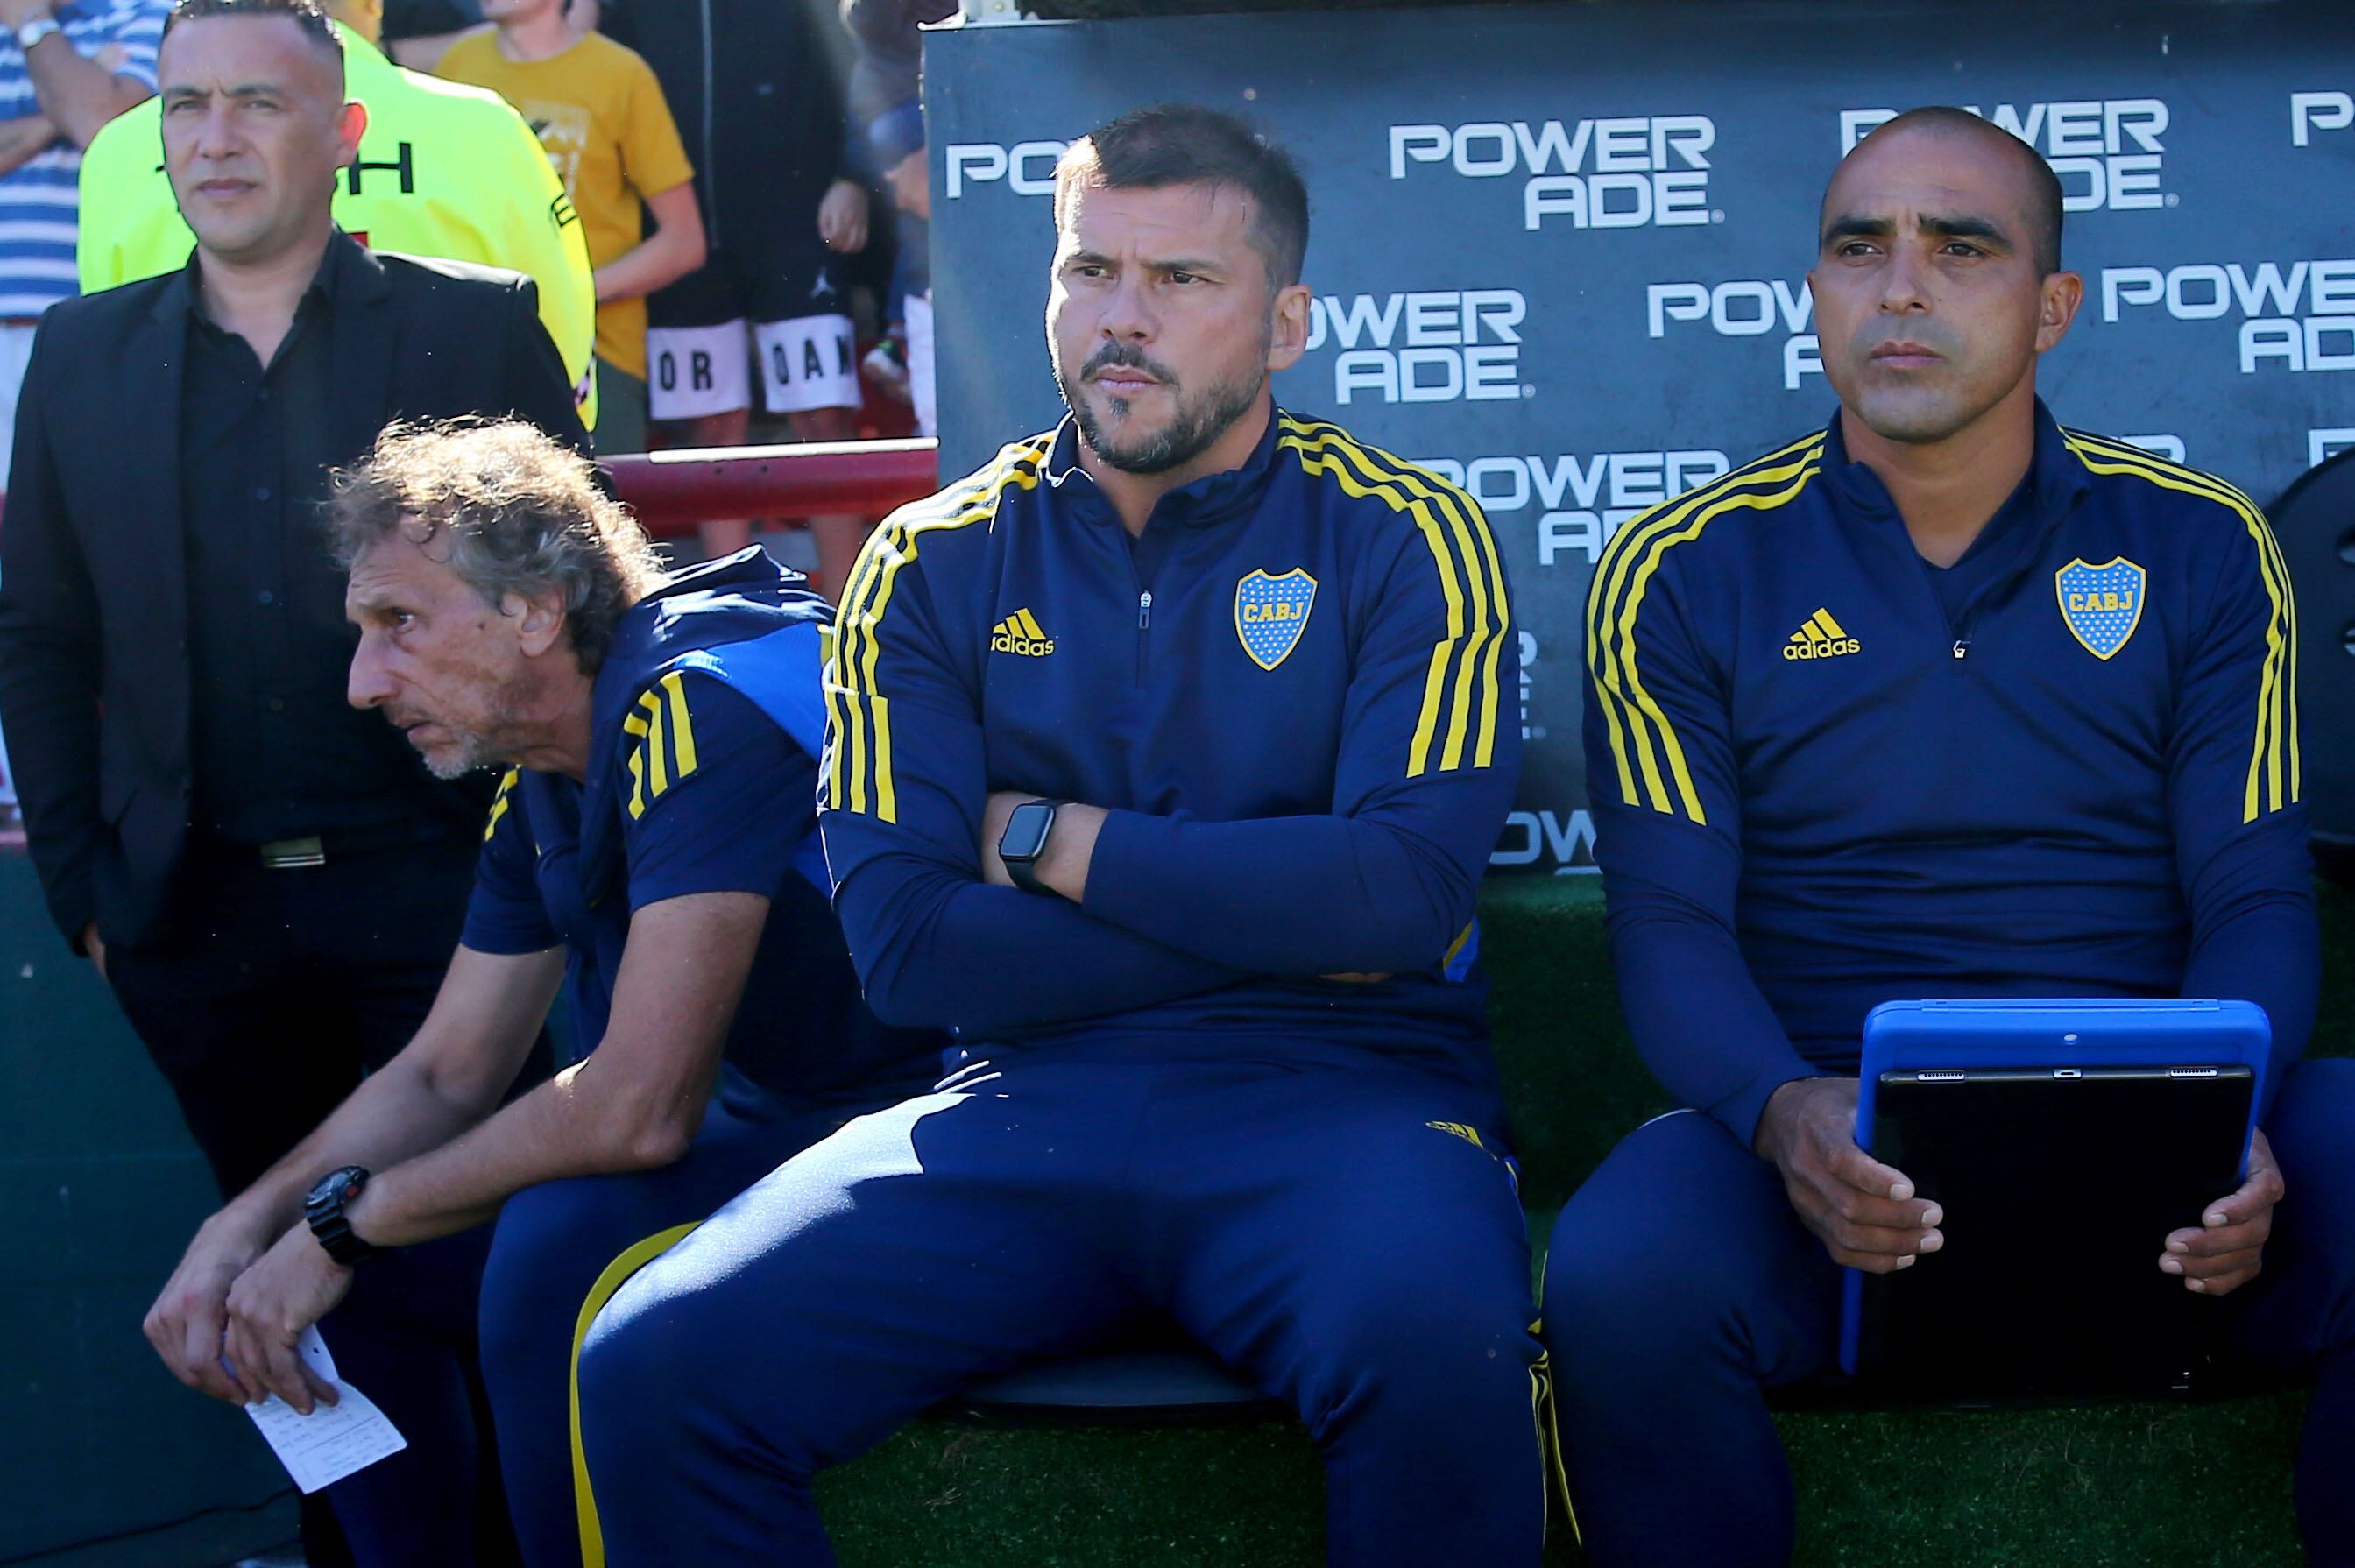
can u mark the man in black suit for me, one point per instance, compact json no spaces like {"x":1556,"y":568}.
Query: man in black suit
{"x":269,"y":880}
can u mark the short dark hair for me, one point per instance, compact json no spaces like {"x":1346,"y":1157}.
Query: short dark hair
{"x":522,"y":514}
{"x":304,"y":14}
{"x":2044,"y":195}
{"x":1182,"y":144}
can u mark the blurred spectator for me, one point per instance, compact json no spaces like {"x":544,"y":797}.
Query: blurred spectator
{"x":443,"y":170}
{"x":67,"y":66}
{"x":416,"y":32}
{"x":265,"y":876}
{"x":600,"y":114}
{"x":886,"y":98}
{"x":757,"y":86}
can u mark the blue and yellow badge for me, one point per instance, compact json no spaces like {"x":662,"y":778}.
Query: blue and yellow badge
{"x":1270,"y":613}
{"x":2102,"y":604}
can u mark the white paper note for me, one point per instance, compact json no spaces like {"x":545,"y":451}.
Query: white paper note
{"x":332,"y":1441}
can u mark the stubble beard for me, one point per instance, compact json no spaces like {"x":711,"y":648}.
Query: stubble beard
{"x":1198,"y":421}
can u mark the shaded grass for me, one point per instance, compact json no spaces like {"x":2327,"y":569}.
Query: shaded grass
{"x":2204,"y":1486}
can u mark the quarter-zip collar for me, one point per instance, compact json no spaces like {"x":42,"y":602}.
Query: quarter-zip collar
{"x":1214,"y":499}
{"x":2058,"y":478}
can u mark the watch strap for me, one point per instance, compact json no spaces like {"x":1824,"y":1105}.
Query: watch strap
{"x":323,"y":1211}
{"x":35,"y":28}
{"x":1023,"y":874}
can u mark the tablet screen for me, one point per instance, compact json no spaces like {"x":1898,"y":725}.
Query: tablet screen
{"x":2060,"y":1187}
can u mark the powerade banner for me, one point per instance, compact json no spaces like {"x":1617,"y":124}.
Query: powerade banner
{"x":1559,"y":252}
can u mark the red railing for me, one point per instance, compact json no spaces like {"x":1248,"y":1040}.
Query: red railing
{"x":671,"y":492}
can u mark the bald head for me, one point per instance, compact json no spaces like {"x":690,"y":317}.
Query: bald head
{"x":2035,"y":188}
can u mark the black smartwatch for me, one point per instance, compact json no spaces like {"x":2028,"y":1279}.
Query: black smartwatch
{"x":1025,"y":839}
{"x":324,"y":1211}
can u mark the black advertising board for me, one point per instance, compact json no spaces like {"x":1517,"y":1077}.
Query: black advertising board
{"x":1559,"y":252}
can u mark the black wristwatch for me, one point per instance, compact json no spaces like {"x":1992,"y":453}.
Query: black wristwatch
{"x":324,"y":1211}
{"x":1025,"y":839}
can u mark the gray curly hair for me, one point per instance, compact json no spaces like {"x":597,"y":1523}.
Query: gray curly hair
{"x":522,"y":514}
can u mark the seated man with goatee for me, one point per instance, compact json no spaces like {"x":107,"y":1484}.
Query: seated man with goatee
{"x":1164,"y":755}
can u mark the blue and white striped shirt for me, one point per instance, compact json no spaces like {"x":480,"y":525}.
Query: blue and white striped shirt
{"x":39,"y":200}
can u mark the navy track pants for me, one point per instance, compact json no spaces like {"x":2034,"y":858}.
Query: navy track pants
{"x":1681,"y":1285}
{"x":563,"y":1248}
{"x":1344,"y":1232}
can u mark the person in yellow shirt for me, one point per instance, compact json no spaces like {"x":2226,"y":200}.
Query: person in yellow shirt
{"x":444,"y":171}
{"x":609,"y":134}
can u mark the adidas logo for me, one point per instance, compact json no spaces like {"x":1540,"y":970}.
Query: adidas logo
{"x":1020,"y":633}
{"x":1820,"y":638}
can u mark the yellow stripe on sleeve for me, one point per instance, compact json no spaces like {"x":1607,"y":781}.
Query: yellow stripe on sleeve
{"x":634,"y":724}
{"x":1643,"y":744}
{"x":2273,"y":777}
{"x":1461,"y":698}
{"x":858,"y":774}
{"x":657,"y":737}
{"x":682,"y":727}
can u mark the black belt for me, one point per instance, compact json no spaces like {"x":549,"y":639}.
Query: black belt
{"x":313,"y":850}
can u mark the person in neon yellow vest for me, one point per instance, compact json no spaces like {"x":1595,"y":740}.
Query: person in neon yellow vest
{"x":443,"y":170}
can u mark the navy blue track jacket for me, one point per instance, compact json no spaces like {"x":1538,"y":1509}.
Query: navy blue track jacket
{"x":1817,"y":788}
{"x":1295,"y":693}
{"x":705,"y":724}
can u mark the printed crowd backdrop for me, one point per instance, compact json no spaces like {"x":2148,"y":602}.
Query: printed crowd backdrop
{"x":1560,"y":253}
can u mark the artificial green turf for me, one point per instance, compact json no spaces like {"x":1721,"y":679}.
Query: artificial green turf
{"x":2124,"y":1485}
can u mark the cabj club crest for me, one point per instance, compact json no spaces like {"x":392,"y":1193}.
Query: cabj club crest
{"x":1270,"y":613}
{"x":2101,"y":604}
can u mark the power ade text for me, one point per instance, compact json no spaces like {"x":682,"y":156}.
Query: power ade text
{"x":1631,"y":173}
{"x":1586,"y":499}
{"x":1530,"y":835}
{"x":1027,"y":168}
{"x":2312,"y":112}
{"x":1750,"y":308}
{"x":2299,"y":317}
{"x":1442,"y":347}
{"x":2106,"y":151}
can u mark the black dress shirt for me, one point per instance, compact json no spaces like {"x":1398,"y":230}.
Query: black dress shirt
{"x":277,"y":751}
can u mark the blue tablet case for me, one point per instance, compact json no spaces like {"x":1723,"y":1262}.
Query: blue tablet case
{"x":2060,"y":1032}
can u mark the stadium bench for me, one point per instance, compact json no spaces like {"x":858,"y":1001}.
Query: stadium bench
{"x":102,"y":1192}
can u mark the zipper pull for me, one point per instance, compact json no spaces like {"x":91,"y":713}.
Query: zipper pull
{"x":1144,"y":610}
{"x":1962,"y":647}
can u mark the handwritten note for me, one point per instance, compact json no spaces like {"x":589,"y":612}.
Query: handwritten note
{"x":332,"y":1441}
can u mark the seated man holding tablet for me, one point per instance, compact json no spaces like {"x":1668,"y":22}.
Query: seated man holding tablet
{"x":1942,"y":701}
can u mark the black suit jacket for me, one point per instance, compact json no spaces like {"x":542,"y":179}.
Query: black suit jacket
{"x":95,"y":675}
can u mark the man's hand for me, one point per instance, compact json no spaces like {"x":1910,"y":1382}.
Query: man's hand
{"x":293,"y":1286}
{"x":1865,"y":1212}
{"x":909,"y":183}
{"x":188,"y":1319}
{"x":841,"y":216}
{"x":95,"y":946}
{"x":16,"y":12}
{"x":25,"y":139}
{"x":2227,"y":1249}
